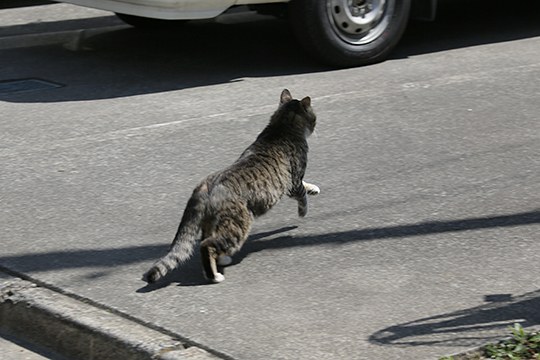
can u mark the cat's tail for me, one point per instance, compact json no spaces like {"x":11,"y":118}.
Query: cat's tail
{"x":184,"y":242}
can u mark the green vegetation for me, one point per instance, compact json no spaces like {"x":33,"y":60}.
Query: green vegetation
{"x":523,"y":345}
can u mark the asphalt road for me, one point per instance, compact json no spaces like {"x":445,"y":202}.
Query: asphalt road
{"x":17,"y":349}
{"x":424,"y":239}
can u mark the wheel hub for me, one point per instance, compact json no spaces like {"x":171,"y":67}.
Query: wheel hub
{"x":356,"y":18}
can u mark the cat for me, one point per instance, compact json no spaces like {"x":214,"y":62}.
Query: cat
{"x":224,"y":205}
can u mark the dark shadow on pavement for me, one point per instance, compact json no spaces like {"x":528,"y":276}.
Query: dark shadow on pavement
{"x":465,"y":23}
{"x":399,"y":231}
{"x":190,"y":272}
{"x":126,"y":62}
{"x":7,"y":4}
{"x":41,"y":27}
{"x":461,"y":328}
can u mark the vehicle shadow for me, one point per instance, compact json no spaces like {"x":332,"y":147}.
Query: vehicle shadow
{"x":460,"y":328}
{"x":465,"y":23}
{"x":125,"y":61}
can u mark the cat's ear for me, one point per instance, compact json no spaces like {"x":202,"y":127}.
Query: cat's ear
{"x":306,"y":102}
{"x":285,"y":97}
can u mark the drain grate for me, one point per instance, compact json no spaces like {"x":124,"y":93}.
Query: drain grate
{"x":25,"y":85}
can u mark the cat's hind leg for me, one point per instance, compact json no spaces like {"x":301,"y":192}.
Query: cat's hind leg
{"x":215,"y":249}
{"x":311,"y":189}
{"x":228,"y":237}
{"x":209,"y":254}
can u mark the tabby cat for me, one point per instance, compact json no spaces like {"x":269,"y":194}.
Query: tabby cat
{"x":223,"y":206}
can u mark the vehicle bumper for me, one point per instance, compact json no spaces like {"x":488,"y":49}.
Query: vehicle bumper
{"x":168,"y":9}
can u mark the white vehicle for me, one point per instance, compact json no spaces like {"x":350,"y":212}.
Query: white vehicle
{"x":338,"y":32}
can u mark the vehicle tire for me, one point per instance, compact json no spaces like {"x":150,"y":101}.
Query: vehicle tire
{"x":145,"y":23}
{"x":348,"y":33}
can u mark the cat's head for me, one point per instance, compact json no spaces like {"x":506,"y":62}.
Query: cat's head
{"x":297,"y":114}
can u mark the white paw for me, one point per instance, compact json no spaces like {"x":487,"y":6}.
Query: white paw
{"x":218,"y":278}
{"x":224,"y":260}
{"x":312,"y":189}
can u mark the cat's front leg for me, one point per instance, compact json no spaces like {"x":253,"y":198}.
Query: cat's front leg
{"x":311,"y":189}
{"x":300,"y":195}
{"x":302,"y":205}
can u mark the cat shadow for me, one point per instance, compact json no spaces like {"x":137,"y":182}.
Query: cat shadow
{"x":190,"y":273}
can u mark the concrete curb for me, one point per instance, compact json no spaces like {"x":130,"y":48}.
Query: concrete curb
{"x":79,"y":330}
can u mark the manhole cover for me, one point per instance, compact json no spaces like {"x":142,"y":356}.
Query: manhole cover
{"x":25,"y":85}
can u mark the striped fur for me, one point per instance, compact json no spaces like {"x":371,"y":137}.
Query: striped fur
{"x":223,"y":206}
